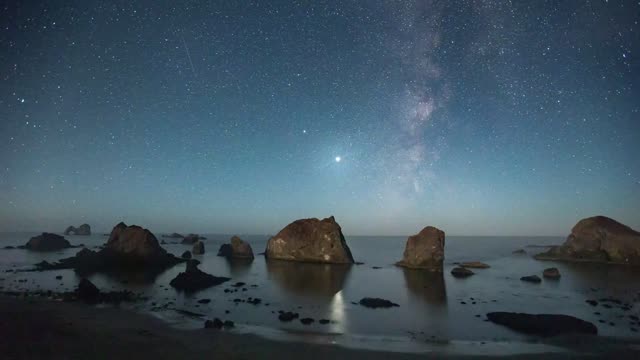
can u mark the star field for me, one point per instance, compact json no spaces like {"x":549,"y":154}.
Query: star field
{"x":479,"y":117}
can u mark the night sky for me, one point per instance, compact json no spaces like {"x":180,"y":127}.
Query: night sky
{"x":479,"y":117}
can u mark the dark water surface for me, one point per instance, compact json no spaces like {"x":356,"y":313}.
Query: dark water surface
{"x":431,"y":305}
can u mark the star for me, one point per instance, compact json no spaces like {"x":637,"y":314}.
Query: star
{"x":338,"y":159}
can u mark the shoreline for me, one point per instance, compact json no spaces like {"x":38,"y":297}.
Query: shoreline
{"x":34,"y":328}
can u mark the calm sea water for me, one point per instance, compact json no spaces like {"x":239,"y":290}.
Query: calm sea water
{"x":431,"y":305}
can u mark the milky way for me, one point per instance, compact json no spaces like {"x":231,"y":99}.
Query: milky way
{"x":481,"y":118}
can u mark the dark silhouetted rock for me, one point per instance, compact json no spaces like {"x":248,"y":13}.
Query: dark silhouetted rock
{"x":475,"y":265}
{"x":191,"y":239}
{"x":531,"y":278}
{"x":592,"y":302}
{"x":83,"y":229}
{"x":194,"y":279}
{"x":47,"y":242}
{"x":225,"y":251}
{"x":236,"y":249}
{"x":424,"y":250}
{"x":287,"y":316}
{"x":520,"y":252}
{"x":228,"y":324}
{"x":542,"y":324}
{"x":598,"y":239}
{"x":307,"y":321}
{"x":198,"y":248}
{"x":551,"y":273}
{"x":461,"y":272}
{"x":310,"y":240}
{"x":186,"y":255}
{"x":88,"y":292}
{"x":215,"y":324}
{"x":204,"y":301}
{"x":324,"y":321}
{"x":375,"y":303}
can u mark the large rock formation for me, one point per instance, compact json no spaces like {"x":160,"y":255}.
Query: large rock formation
{"x":83,"y":229}
{"x":198,"y":248}
{"x":542,"y":324}
{"x":128,"y":247}
{"x":598,"y":239}
{"x":310,"y":240}
{"x":194,"y":279}
{"x":47,"y":242}
{"x":236,"y":249}
{"x":424,"y":250}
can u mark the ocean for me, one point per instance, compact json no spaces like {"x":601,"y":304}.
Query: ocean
{"x":434,"y":308}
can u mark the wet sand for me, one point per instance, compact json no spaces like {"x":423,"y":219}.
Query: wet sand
{"x":45,"y":329}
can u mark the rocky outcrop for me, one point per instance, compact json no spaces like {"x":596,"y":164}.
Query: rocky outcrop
{"x":310,"y":240}
{"x":461,"y":272}
{"x":236,"y":249}
{"x":542,"y":324}
{"x":186,"y":255}
{"x":532,"y":279}
{"x":47,"y":242}
{"x":83,"y":229}
{"x":173,"y":236}
{"x":598,"y":239}
{"x":375,"y":303}
{"x":194,"y":279}
{"x":198,"y":248}
{"x":192,"y":239}
{"x":129,"y":247}
{"x":424,"y":250}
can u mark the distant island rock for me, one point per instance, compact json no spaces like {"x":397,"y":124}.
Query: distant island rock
{"x":598,"y":239}
{"x":192,"y":239}
{"x":310,"y":240}
{"x":236,"y":249}
{"x":129,"y":247}
{"x":83,"y":229}
{"x":173,"y":236}
{"x":47,"y":242}
{"x":425,"y":250}
{"x":198,"y":248}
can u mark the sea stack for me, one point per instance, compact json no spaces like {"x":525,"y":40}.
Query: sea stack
{"x":598,"y":239}
{"x":310,"y":240}
{"x":83,"y":229}
{"x":425,"y":250}
{"x":236,"y":249}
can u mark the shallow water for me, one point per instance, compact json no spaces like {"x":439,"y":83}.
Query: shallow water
{"x":431,"y":305}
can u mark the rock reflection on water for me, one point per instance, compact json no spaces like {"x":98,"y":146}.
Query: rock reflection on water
{"x":239,"y":267}
{"x":426,"y":285}
{"x":317,"y":280}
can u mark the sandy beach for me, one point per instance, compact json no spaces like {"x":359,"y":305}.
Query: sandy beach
{"x":44,"y":329}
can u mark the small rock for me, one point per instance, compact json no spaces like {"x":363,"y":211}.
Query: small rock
{"x":375,"y":303}
{"x":204,"y":301}
{"x":475,"y":265}
{"x":287,"y":316}
{"x":307,"y":321}
{"x":551,"y":273}
{"x":461,"y":272}
{"x":532,"y":279}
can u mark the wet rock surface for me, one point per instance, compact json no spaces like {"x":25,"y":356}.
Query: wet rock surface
{"x":375,"y":303}
{"x":542,"y":324}
{"x":461,"y":272}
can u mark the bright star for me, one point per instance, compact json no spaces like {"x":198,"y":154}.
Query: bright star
{"x":338,"y":158}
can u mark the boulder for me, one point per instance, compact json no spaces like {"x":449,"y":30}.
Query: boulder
{"x":531,"y":278}
{"x":236,"y":249}
{"x":83,"y":229}
{"x":375,"y":303}
{"x":598,"y":239}
{"x":194,"y":279}
{"x":198,"y":248}
{"x":88,"y":292}
{"x":191,"y":239}
{"x":186,"y":255}
{"x":310,"y":240}
{"x":47,"y":242}
{"x":475,"y":265}
{"x":542,"y":324}
{"x":461,"y":272}
{"x":424,"y":250}
{"x":551,"y":273}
